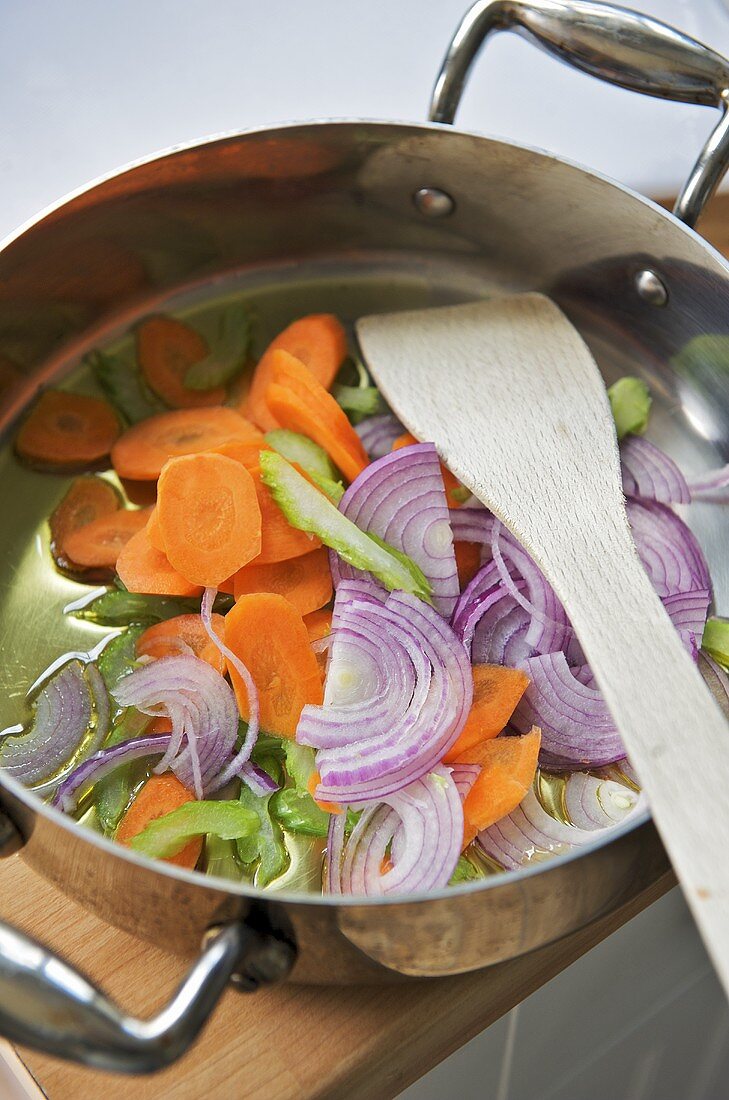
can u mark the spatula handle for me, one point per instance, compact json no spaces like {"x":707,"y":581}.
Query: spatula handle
{"x":676,"y":735}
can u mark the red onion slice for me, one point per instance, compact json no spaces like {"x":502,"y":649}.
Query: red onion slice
{"x":422,"y":828}
{"x":259,"y":781}
{"x":529,"y":834}
{"x":401,"y":499}
{"x":71,"y":714}
{"x":202,"y":709}
{"x":464,"y":776}
{"x":83,"y":778}
{"x":688,"y":612}
{"x":596,"y":803}
{"x":577,"y":728}
{"x":399,"y":688}
{"x":649,"y":473}
{"x":712,"y":487}
{"x":378,"y":433}
{"x":668,"y":549}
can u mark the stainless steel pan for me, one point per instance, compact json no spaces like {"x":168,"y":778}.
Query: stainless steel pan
{"x":354,"y":217}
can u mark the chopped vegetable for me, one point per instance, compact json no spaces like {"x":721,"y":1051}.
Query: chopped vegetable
{"x":508,"y":767}
{"x":112,"y":793}
{"x":305,"y":507}
{"x":119,"y":656}
{"x":305,"y":581}
{"x":228,"y":354}
{"x":299,"y":813}
{"x":166,"y":350}
{"x":465,"y":872}
{"x":496,"y":692}
{"x":281,"y":539}
{"x":182,"y":634}
{"x":209,"y":517}
{"x":221,"y":858}
{"x":98,"y":544}
{"x":303,"y":452}
{"x":715,"y":641}
{"x":649,"y":473}
{"x":88,"y":499}
{"x":143,"y":569}
{"x":379,"y":433}
{"x":318,"y":341}
{"x":142,"y":450}
{"x":299,"y":402}
{"x":268,"y":635}
{"x":455,"y":492}
{"x":118,"y":608}
{"x":123,"y":386}
{"x":263,"y":848}
{"x":171,"y":835}
{"x":358,"y":401}
{"x":154,"y":531}
{"x":318,"y":624}
{"x":160,"y":796}
{"x":630,"y":401}
{"x":67,"y":431}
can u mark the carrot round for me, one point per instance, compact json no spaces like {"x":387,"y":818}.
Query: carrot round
{"x":496,"y":692}
{"x":279,"y":540}
{"x":268,"y":635}
{"x":318,"y":624}
{"x":318,"y":341}
{"x":160,"y":795}
{"x":141,"y":452}
{"x":141,"y":568}
{"x":88,"y":499}
{"x":306,"y":581}
{"x":451,"y":484}
{"x":67,"y":431}
{"x":166,"y":349}
{"x":100,"y":542}
{"x":508,"y":765}
{"x":468,"y":561}
{"x":248,"y":453}
{"x":328,"y":807}
{"x":154,"y":531}
{"x":209,"y":517}
{"x":299,"y":402}
{"x":168,"y":638}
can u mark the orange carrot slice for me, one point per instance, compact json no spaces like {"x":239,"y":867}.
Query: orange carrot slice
{"x":209,"y":517}
{"x":496,"y":692}
{"x":248,"y":453}
{"x":328,"y":807}
{"x":300,"y":402}
{"x":160,"y":795}
{"x":141,"y":452}
{"x":279,"y":540}
{"x":88,"y":499}
{"x":100,"y":542}
{"x":318,"y":341}
{"x":508,"y":765}
{"x":67,"y":431}
{"x":269,"y":637}
{"x":451,"y":483}
{"x":319,"y":624}
{"x":468,"y":561}
{"x":154,"y":531}
{"x":306,"y":581}
{"x":166,"y":349}
{"x":168,"y":639}
{"x":143,"y":569}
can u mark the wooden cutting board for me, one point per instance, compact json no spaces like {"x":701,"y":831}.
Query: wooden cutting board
{"x":292,"y":1042}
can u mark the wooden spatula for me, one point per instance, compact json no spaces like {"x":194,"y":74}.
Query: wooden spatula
{"x":514,"y":402}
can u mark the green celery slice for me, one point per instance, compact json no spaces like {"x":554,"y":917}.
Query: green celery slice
{"x":304,"y":451}
{"x":265,"y":847}
{"x":308,"y":510}
{"x":119,"y":656}
{"x":358,"y":401}
{"x":168,"y":835}
{"x":221,"y":858}
{"x":715,"y":641}
{"x":112,"y":794}
{"x":228,"y":353}
{"x":294,"y":806}
{"x":122,"y":383}
{"x":630,"y":401}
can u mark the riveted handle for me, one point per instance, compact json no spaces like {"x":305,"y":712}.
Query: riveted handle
{"x":616,"y":45}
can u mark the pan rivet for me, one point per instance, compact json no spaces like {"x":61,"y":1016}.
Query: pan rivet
{"x":650,"y":288}
{"x":434,"y":203}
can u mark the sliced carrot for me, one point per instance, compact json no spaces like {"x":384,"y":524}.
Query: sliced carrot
{"x":154,"y":531}
{"x":327,"y":807}
{"x":166,"y":349}
{"x":468,"y":561}
{"x":279,"y":540}
{"x":318,"y":341}
{"x":141,"y":452}
{"x":100,"y":542}
{"x":451,"y":483}
{"x":508,"y":765}
{"x":269,"y":637}
{"x":160,"y":795}
{"x":67,"y":431}
{"x":319,"y":624}
{"x":496,"y":692}
{"x":306,"y":581}
{"x":248,"y":453}
{"x":143,"y":569}
{"x":300,"y":402}
{"x":88,"y":499}
{"x":209,"y":517}
{"x":170,"y":637}
{"x":162,"y":724}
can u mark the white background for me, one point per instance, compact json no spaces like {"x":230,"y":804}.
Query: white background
{"x":86,"y":85}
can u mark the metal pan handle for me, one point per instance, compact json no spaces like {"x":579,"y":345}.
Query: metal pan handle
{"x":616,"y":45}
{"x":47,"y":1005}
